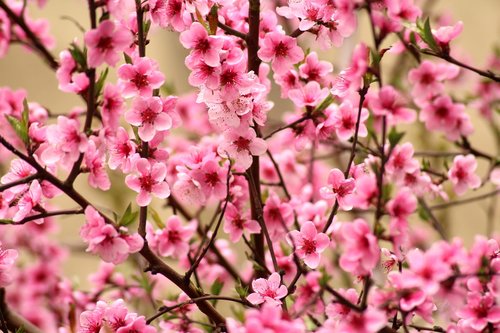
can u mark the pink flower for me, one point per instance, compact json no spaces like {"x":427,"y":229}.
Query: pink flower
{"x":173,"y":239}
{"x":140,"y":78}
{"x":344,"y":118}
{"x":70,"y":80}
{"x":389,"y":103}
{"x":424,"y":270}
{"x":315,"y":70}
{"x":96,"y":165}
{"x":339,"y":188}
{"x":409,"y":292}
{"x":281,"y":50}
{"x":361,"y":250}
{"x":149,"y":180}
{"x":442,"y":114}
{"x":105,"y":240}
{"x":7,"y":260}
{"x":105,"y":43}
{"x":401,"y":161}
{"x":240,"y":144}
{"x":137,"y":325}
{"x":462,"y":175}
{"x":268,"y":291}
{"x":147,"y":113}
{"x":310,"y":95}
{"x":237,"y":224}
{"x":93,"y":320}
{"x":267,"y":319}
{"x":308,"y":243}
{"x":29,"y":200}
{"x":402,"y":205}
{"x":278,"y":215}
{"x":426,"y":79}
{"x":211,"y":177}
{"x":112,"y":106}
{"x":205,"y":47}
{"x":444,"y":35}
{"x":122,"y":151}
{"x":479,"y":311}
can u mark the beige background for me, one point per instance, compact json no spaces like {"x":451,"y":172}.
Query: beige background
{"x":24,"y":69}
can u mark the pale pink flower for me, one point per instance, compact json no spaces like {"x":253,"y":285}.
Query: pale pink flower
{"x":281,"y":50}
{"x":389,"y":103}
{"x":427,"y":79}
{"x":402,"y":205}
{"x":104,"y":239}
{"x":344,"y":118}
{"x":122,"y":151}
{"x":241,"y":144}
{"x":339,"y":188}
{"x":203,"y":46}
{"x":140,"y":78}
{"x":361,"y":250}
{"x":95,"y":163}
{"x":148,"y":180}
{"x":212,"y":179}
{"x":112,"y":106}
{"x":237,"y":224}
{"x":147,"y":113}
{"x":424,"y":270}
{"x":445,"y":34}
{"x":269,"y":291}
{"x":173,"y":239}
{"x":7,"y":260}
{"x":105,"y":43}
{"x":309,"y":95}
{"x":29,"y":200}
{"x":462,"y":174}
{"x":268,"y":319}
{"x":308,"y":244}
{"x":401,"y":161}
{"x":314,"y":69}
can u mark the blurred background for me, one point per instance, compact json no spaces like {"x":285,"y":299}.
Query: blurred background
{"x":22,"y":69}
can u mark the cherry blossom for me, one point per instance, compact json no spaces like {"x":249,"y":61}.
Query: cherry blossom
{"x":269,"y":291}
{"x":462,"y":174}
{"x":147,"y":114}
{"x":173,"y":239}
{"x":281,"y":50}
{"x":105,"y":43}
{"x":148,"y":180}
{"x":308,"y":243}
{"x":140,"y":78}
{"x":339,"y":188}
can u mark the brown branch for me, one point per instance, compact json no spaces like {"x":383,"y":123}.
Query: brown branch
{"x":37,"y":44}
{"x":231,"y":31}
{"x":465,"y":201}
{"x":291,"y":125}
{"x":47,"y":214}
{"x":13,"y":320}
{"x":18,"y":182}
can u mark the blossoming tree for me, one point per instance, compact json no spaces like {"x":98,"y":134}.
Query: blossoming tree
{"x":325,"y":222}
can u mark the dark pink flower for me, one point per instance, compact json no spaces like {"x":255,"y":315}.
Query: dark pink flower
{"x":462,"y":174}
{"x":281,"y":50}
{"x":339,"y":188}
{"x":105,"y":43}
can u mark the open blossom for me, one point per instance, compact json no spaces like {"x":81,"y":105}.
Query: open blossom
{"x":147,"y":113}
{"x":462,"y":174}
{"x":269,"y":291}
{"x":102,"y":238}
{"x":203,"y":46}
{"x":240,"y":144}
{"x":105,"y":43}
{"x":479,"y":310}
{"x":361,"y":251}
{"x":237,"y":224}
{"x":211,"y":178}
{"x":140,"y":78}
{"x":173,"y":239}
{"x":308,"y":243}
{"x":281,"y":50}
{"x":344,"y":118}
{"x":96,"y":165}
{"x":310,"y":95}
{"x":7,"y":260}
{"x":148,"y":180}
{"x":339,"y":188}
{"x":29,"y":200}
{"x":389,"y":103}
{"x":70,"y":80}
{"x":401,"y":161}
{"x":278,"y":214}
{"x":122,"y":151}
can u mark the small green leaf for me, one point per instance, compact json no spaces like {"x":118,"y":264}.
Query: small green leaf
{"x":216,"y":289}
{"x":78,"y":55}
{"x":428,"y":37}
{"x":213,"y":19}
{"x":395,"y":137}
{"x":156,"y":217}
{"x":127,"y":58}
{"x":100,"y":83}
{"x":242,"y":291}
{"x":17,"y":125}
{"x":6,"y":221}
{"x":128,"y":216}
{"x":26,"y":113}
{"x":325,"y":103}
{"x":422,"y":213}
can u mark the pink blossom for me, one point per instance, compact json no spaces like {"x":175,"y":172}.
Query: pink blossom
{"x":425,"y":271}
{"x":462,"y":174}
{"x":269,"y":291}
{"x":310,"y":95}
{"x":122,"y":151}
{"x":401,"y":161}
{"x":442,"y":114}
{"x":29,"y":200}
{"x":148,"y":180}
{"x":268,"y":319}
{"x":344,"y":119}
{"x":69,"y":79}
{"x":389,"y":103}
{"x":104,"y":239}
{"x":211,"y":177}
{"x":147,"y":113}
{"x":361,"y":251}
{"x":105,"y":43}
{"x":7,"y":260}
{"x":444,"y":35}
{"x":169,"y":13}
{"x":427,"y":78}
{"x":278,"y":215}
{"x":479,"y":311}
{"x":140,"y":78}
{"x":203,"y":46}
{"x":240,"y":144}
{"x":112,"y":106}
{"x":96,"y":165}
{"x":281,"y":50}
{"x":173,"y":239}
{"x":237,"y":224}
{"x":339,"y":188}
{"x":402,"y":205}
{"x":314,"y":69}
{"x":308,"y":243}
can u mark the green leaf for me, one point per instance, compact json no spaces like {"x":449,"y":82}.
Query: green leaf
{"x":326,"y":103}
{"x":422,"y":213}
{"x":26,"y":113}
{"x":428,"y":37}
{"x":100,"y":83}
{"x":242,"y":291}
{"x":79,"y":55}
{"x":127,"y":58}
{"x":128,"y":216}
{"x":213,"y":19}
{"x":156,"y":217}
{"x":395,"y":137}
{"x":19,"y":128}
{"x":6,"y":221}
